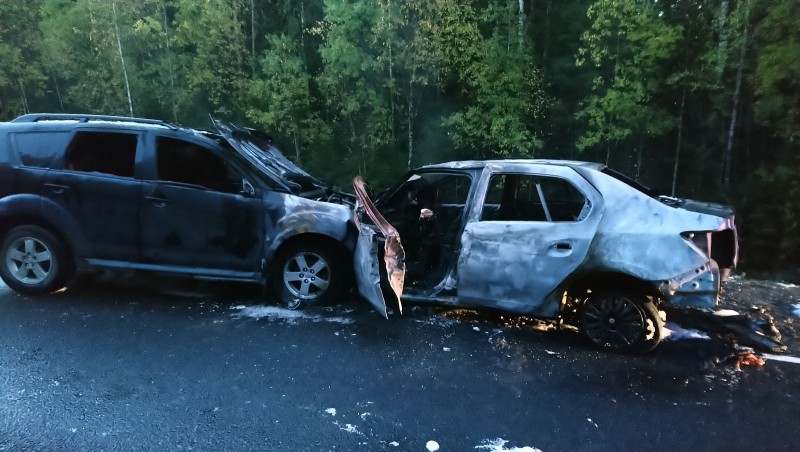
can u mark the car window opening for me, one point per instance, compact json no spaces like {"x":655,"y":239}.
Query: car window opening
{"x":428,"y":212}
{"x":521,"y":197}
{"x":185,"y":162}
{"x":107,"y":153}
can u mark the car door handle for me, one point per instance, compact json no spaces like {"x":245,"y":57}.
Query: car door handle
{"x":563,"y":246}
{"x":56,"y":188}
{"x":158,"y":202}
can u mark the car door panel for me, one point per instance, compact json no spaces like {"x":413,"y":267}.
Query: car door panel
{"x":188,"y":225}
{"x":516,"y":265}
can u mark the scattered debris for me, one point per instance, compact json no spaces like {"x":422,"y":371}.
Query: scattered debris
{"x":498,"y":445}
{"x":331,"y":411}
{"x":446,"y":349}
{"x":287,"y":315}
{"x":756,"y":329}
{"x":394,"y":444}
{"x":432,"y":446}
{"x":592,"y":422}
{"x":748,"y":359}
{"x":675,"y":332}
{"x":476,"y":328}
{"x":549,"y":352}
{"x":786,"y":359}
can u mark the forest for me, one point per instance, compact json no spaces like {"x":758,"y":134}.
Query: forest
{"x":695,"y":98}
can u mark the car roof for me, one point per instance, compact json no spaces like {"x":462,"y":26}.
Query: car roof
{"x":480,"y":164}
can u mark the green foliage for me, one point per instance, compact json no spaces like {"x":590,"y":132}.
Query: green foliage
{"x":280,"y":97}
{"x":504,"y":89}
{"x":375,"y":86}
{"x":626,"y":43}
{"x":777,"y":74}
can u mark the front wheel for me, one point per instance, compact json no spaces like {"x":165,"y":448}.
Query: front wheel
{"x":305,"y":274}
{"x":621,"y":322}
{"x":34,"y":261}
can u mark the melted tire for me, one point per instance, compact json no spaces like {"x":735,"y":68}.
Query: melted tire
{"x":621,"y":322}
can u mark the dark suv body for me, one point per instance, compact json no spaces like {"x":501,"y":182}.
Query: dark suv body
{"x":88,"y":192}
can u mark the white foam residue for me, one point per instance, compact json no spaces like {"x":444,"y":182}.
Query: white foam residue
{"x":726,"y":313}
{"x":785,"y":359}
{"x":286,"y":315}
{"x":331,"y":411}
{"x":432,"y":446}
{"x":796,"y":310}
{"x":786,"y":286}
{"x":364,"y":415}
{"x":394,"y":444}
{"x":350,"y":428}
{"x":499,"y":445}
{"x":675,"y":332}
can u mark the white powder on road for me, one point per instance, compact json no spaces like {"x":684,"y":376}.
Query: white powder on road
{"x":499,"y":445}
{"x":286,"y":315}
{"x":674,"y":332}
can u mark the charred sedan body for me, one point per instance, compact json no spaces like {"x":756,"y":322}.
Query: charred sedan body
{"x":84,"y":192}
{"x":544,"y":238}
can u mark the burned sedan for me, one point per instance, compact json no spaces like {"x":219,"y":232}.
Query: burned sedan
{"x":543,"y":238}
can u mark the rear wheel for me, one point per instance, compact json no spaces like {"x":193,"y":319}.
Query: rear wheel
{"x":305,"y":274}
{"x":34,"y":261}
{"x":621,"y":321}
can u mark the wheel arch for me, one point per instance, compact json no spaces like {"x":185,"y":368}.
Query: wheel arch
{"x":9,"y":222}
{"x":611,"y":281}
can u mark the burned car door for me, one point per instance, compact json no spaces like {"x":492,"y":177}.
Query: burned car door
{"x":366,"y":256}
{"x":528,"y":231}
{"x":199,"y":211}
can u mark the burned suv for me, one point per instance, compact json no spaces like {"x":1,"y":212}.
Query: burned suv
{"x":87,"y":192}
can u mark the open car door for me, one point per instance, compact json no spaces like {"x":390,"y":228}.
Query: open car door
{"x":365,"y":258}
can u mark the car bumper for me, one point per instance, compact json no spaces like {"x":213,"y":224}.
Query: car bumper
{"x":697,"y":288}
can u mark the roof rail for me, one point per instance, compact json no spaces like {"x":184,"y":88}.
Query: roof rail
{"x":36,"y":117}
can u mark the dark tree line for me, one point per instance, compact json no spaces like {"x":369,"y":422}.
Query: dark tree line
{"x":696,"y":98}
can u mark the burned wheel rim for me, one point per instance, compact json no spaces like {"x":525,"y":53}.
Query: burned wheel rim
{"x":614,"y":321}
{"x":29,"y":261}
{"x":306,"y":275}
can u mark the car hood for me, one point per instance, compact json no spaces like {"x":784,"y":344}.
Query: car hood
{"x":258,"y":148}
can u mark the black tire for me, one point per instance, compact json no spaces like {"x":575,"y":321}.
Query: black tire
{"x":298,"y":286}
{"x":33,"y":261}
{"x":622,"y":322}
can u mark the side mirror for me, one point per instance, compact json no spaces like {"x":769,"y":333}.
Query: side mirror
{"x":247,"y":189}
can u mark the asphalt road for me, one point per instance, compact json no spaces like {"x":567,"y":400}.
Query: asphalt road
{"x":121,"y":367}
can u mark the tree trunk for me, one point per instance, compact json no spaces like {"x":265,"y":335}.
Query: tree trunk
{"x":169,"y":66}
{"x":410,"y":122}
{"x":122,"y":58}
{"x":678,"y":145}
{"x":298,"y":159}
{"x":23,"y":98}
{"x":722,"y":45}
{"x":728,"y":156}
{"x":58,"y":90}
{"x":253,"y":37}
{"x":521,"y":22}
{"x":546,"y":39}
